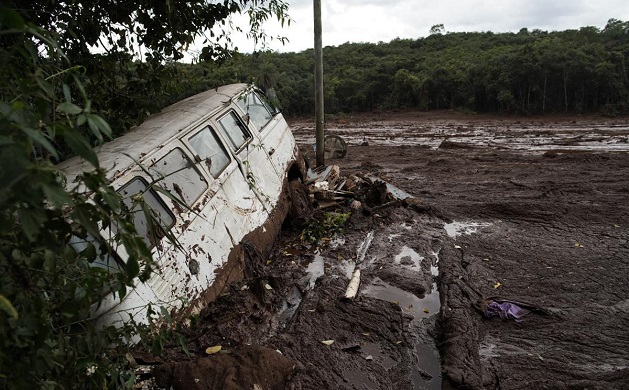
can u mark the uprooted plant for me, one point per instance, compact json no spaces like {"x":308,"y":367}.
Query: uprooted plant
{"x":327,"y":225}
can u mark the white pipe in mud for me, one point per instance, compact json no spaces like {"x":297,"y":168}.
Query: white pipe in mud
{"x":352,"y":287}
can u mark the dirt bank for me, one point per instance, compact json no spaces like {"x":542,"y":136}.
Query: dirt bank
{"x":526,"y":211}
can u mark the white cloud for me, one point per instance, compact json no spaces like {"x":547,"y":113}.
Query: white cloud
{"x":383,"y":20}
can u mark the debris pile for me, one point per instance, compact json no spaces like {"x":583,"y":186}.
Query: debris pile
{"x":328,"y":189}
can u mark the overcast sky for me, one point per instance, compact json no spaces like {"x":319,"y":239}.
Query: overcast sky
{"x":383,"y":20}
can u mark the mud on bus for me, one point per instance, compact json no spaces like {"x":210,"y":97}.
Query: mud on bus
{"x":226,"y":158}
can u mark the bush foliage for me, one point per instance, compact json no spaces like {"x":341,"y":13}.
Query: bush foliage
{"x":49,"y":284}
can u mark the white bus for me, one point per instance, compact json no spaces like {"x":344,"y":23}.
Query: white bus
{"x":227,"y":156}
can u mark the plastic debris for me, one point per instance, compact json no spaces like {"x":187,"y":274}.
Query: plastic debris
{"x":510,"y":309}
{"x":505,"y":310}
{"x":321,"y":186}
{"x":327,"y":342}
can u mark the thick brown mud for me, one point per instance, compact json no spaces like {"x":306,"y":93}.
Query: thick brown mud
{"x":528,"y":210}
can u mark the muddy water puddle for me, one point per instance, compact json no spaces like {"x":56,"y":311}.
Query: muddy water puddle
{"x":459,"y":228}
{"x":314,"y":270}
{"x":426,"y":370}
{"x":409,"y":303}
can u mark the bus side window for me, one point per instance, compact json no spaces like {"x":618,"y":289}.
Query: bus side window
{"x":177,"y":174}
{"x":210,"y":151}
{"x":259,"y":112}
{"x":165,"y":219}
{"x":235,"y":130}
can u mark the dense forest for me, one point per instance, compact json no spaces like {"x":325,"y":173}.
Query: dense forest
{"x":529,"y":72}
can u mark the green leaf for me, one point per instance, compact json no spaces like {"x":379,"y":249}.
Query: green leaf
{"x":112,"y":199}
{"x":32,"y":221}
{"x":7,"y":307}
{"x":50,"y":262}
{"x":98,"y":124}
{"x":69,"y":108}
{"x":80,"y":146}
{"x":122,"y":291}
{"x":93,"y":127}
{"x":156,"y":350}
{"x":132,"y":267}
{"x":89,"y":252}
{"x":166,"y":314}
{"x":10,"y":111}
{"x":81,"y":119}
{"x":39,"y":138}
{"x":56,"y":195}
{"x":10,"y":18}
{"x":83,"y":214}
{"x":36,"y":260}
{"x":66,"y":93}
{"x":184,"y":345}
{"x":46,"y":87}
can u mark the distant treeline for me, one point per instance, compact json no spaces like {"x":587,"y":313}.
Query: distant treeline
{"x":529,"y":72}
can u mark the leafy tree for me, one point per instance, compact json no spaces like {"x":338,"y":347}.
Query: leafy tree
{"x":163,"y":28}
{"x":437,"y":29}
{"x":50,"y":229}
{"x":138,"y":40}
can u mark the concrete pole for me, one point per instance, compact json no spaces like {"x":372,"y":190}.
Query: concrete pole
{"x":319,"y":112}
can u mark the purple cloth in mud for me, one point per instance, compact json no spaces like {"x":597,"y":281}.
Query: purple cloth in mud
{"x":505,"y":310}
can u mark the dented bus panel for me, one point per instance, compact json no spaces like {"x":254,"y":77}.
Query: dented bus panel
{"x":226,"y":156}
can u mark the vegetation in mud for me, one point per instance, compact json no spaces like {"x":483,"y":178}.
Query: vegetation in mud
{"x":326,"y":226}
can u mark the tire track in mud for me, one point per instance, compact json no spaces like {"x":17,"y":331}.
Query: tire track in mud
{"x":560,"y":269}
{"x":545,"y":275}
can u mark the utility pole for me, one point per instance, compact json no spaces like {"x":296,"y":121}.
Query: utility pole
{"x":319,"y":112}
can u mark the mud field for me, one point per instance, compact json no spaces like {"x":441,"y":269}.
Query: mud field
{"x":523,"y":217}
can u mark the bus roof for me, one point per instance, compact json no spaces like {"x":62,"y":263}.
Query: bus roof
{"x":157,"y":130}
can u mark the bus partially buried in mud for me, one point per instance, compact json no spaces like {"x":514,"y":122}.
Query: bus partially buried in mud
{"x":226,"y":158}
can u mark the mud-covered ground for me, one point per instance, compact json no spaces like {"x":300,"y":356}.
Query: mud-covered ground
{"x":531,"y":211}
